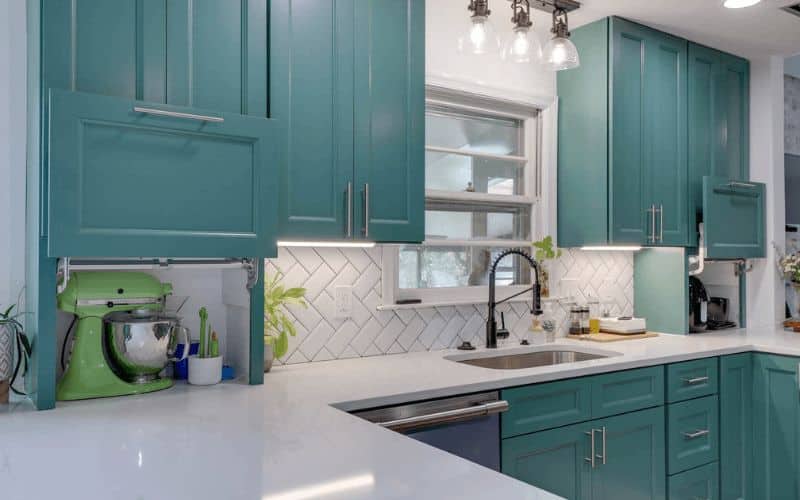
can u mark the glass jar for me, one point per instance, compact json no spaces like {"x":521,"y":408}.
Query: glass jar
{"x":575,"y":320}
{"x":585,"y":320}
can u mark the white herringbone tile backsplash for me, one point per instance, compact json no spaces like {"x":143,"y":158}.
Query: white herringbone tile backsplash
{"x":369,"y":332}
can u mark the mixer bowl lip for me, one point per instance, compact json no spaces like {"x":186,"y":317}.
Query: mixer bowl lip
{"x":130,"y":317}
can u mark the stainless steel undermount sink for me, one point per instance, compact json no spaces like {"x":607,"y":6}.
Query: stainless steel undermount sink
{"x":517,"y":359}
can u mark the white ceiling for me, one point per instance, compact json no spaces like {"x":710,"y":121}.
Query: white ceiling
{"x":755,"y":31}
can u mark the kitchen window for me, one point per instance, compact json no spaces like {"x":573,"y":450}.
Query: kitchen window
{"x":482,"y":173}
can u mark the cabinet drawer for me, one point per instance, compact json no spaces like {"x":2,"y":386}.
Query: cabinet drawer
{"x":621,"y":392}
{"x":692,"y":379}
{"x":701,"y":483}
{"x":544,"y":406}
{"x":692,"y":433}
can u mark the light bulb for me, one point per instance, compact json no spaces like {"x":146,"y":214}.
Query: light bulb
{"x":738,"y":4}
{"x":480,"y":38}
{"x":522,"y":46}
{"x":560,"y":53}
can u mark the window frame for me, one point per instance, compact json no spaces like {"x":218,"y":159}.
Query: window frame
{"x":531,"y":116}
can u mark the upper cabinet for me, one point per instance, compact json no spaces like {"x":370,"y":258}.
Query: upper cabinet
{"x":157,"y":137}
{"x":719,"y":132}
{"x":622,"y":165}
{"x":354,"y":167}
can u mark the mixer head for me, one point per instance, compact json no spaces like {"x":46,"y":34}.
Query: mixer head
{"x":97,"y":293}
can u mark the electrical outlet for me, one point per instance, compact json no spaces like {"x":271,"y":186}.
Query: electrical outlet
{"x":344,"y":301}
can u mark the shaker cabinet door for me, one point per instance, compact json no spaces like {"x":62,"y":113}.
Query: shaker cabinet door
{"x":734,"y":218}
{"x":390,"y":120}
{"x":163,"y":183}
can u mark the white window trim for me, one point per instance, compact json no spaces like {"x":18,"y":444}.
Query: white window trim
{"x":540,"y":138}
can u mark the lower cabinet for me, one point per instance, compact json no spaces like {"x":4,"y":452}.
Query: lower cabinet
{"x":776,"y":429}
{"x":695,"y":484}
{"x":736,"y":426}
{"x":614,"y":458}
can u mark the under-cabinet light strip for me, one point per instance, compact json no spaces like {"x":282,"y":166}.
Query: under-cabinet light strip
{"x":328,"y":244}
{"x":610,"y":248}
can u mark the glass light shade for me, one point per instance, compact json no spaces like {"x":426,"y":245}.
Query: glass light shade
{"x":560,"y":53}
{"x":522,"y":46}
{"x":480,"y":38}
{"x":738,"y":4}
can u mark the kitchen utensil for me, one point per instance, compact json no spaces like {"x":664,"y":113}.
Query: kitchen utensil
{"x":623,"y":325}
{"x":205,"y":371}
{"x":92,"y":373}
{"x":613,"y":337}
{"x":141,"y":343}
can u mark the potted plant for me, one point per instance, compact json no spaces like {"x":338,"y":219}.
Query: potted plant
{"x":545,"y":252}
{"x":278,"y":325}
{"x":789,"y":267}
{"x":12,"y":336}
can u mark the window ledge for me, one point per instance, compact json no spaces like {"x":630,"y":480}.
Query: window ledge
{"x":444,"y":303}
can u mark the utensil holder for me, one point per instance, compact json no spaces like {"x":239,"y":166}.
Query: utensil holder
{"x":205,"y":371}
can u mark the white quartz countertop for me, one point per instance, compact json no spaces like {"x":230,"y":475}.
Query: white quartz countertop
{"x":289,"y":439}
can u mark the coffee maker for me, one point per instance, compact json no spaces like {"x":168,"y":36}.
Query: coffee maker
{"x":698,"y":306}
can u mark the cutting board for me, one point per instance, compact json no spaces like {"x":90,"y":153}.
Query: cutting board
{"x":612,"y":337}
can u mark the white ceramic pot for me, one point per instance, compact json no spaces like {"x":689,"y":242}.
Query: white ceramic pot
{"x":269,"y":356}
{"x":205,"y":371}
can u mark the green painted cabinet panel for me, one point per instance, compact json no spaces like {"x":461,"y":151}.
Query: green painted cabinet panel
{"x":542,"y":406}
{"x":734,"y":218}
{"x":736,"y":426}
{"x":692,"y":379}
{"x":625,"y":391}
{"x":313,"y":84}
{"x":692,"y":433}
{"x":390,"y":120}
{"x":776,"y":436}
{"x":696,"y":484}
{"x":632,"y":464}
{"x":554,"y":460}
{"x":129,"y":184}
{"x":719,"y":133}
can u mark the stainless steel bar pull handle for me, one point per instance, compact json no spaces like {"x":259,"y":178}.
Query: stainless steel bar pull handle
{"x":349,"y":202}
{"x":695,"y":380}
{"x":366,"y":210}
{"x":178,"y":114}
{"x":696,"y":434}
{"x":592,"y":455}
{"x":651,"y":236}
{"x":661,"y":223}
{"x":603,"y":456}
{"x":481,"y":410}
{"x":747,"y":185}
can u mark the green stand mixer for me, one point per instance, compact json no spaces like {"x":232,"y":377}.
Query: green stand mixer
{"x":122,"y":338}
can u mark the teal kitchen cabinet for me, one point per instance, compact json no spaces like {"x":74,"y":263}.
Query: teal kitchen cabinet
{"x":776,"y":436}
{"x":692,"y":433}
{"x":616,"y":458}
{"x":542,"y":406}
{"x":700,"y":483}
{"x":719,"y":121}
{"x":622,"y":158}
{"x":692,"y":379}
{"x":736,"y":426}
{"x":354,"y":168}
{"x":155,"y":130}
{"x":735,"y":218}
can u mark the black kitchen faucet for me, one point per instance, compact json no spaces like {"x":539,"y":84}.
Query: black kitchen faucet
{"x":536,"y":304}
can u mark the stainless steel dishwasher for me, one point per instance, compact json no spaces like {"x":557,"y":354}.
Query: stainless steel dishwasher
{"x":467,"y":426}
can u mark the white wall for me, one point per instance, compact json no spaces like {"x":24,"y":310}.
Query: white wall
{"x":765,"y":290}
{"x":12,"y":149}
{"x":792,"y":66}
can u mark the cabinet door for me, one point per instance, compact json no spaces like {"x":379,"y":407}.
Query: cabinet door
{"x":734,"y":218}
{"x":665,"y":138}
{"x":132,"y":184}
{"x":633,"y":450}
{"x":736,"y":426}
{"x":312,"y":93}
{"x":776,"y":439}
{"x":628,"y":155}
{"x":718,"y":121}
{"x":692,"y":433}
{"x":556,"y":460}
{"x":390,"y":120}
{"x":700,"y":483}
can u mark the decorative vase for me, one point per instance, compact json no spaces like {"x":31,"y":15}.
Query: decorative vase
{"x":6,"y":361}
{"x":793,"y":299}
{"x":269,"y":356}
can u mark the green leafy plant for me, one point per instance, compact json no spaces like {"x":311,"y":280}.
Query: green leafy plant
{"x":545,"y":250}
{"x":9,"y":320}
{"x":277,"y":324}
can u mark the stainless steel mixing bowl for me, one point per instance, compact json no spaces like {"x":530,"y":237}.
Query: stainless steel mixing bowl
{"x":141,"y":344}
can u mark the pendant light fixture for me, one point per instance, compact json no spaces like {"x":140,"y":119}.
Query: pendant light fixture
{"x":480,"y":37}
{"x":522,"y":45}
{"x":560,"y":53}
{"x":738,"y":4}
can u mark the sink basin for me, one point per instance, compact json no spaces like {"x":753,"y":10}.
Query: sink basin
{"x":529,"y":358}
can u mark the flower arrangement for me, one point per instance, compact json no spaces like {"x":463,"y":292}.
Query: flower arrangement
{"x":790,"y":266}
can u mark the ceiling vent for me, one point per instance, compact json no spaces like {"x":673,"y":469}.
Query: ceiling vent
{"x":792,"y":9}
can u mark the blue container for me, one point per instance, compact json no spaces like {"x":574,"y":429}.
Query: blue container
{"x":180,"y":369}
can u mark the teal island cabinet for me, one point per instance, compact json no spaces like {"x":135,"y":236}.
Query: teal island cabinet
{"x":350,"y":87}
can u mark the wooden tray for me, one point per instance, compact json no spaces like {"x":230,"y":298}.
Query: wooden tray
{"x":612,"y":337}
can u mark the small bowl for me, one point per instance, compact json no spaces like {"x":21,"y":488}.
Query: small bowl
{"x":205,"y":371}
